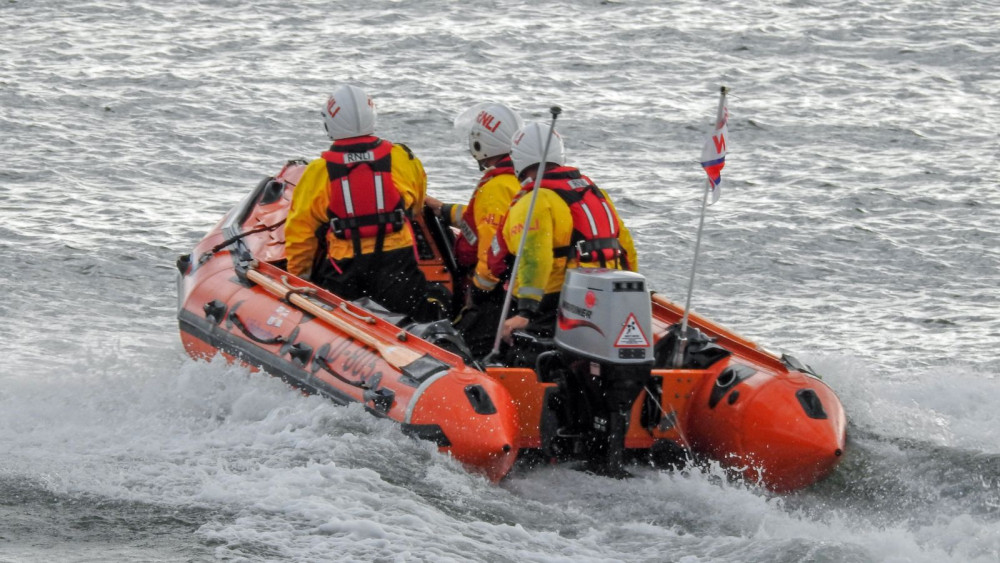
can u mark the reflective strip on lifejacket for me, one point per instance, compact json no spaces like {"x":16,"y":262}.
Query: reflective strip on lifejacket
{"x":611,"y":218}
{"x":379,"y":193}
{"x":345,"y":187}
{"x":590,"y":219}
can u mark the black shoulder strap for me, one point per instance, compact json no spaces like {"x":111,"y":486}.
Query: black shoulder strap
{"x":407,"y":149}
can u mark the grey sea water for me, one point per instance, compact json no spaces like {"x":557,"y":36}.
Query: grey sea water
{"x":859,"y":228}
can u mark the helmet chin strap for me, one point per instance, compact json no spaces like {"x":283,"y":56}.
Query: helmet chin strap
{"x":489,"y":161}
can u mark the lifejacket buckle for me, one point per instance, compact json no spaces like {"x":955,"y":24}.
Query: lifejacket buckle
{"x":336,"y":225}
{"x":398,"y":219}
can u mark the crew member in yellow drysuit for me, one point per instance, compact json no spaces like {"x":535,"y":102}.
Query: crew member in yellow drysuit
{"x":574,"y":224}
{"x":348,"y":228}
{"x":491,"y":126}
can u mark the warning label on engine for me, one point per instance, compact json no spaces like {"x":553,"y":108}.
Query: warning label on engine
{"x":631,"y":335}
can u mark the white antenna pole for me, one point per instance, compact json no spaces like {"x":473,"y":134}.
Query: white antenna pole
{"x":678,"y":359}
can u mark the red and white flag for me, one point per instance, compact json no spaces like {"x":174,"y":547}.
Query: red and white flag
{"x":713,"y":154}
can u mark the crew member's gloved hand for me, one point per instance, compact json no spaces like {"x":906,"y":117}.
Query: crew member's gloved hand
{"x":434,"y":204}
{"x":516,"y":322}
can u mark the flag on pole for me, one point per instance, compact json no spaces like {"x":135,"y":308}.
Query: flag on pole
{"x":713,"y":154}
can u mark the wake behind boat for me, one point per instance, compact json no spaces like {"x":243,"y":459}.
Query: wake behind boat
{"x":604,"y":391}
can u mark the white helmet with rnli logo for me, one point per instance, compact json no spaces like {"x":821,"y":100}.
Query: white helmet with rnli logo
{"x":490,"y":127}
{"x":349,"y":112}
{"x":492,"y":131}
{"x":529,"y":143}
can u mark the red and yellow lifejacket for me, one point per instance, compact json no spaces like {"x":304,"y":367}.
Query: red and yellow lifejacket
{"x":595,"y":224}
{"x":364,"y":201}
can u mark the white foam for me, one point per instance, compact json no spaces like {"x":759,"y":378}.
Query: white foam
{"x":952,"y":405}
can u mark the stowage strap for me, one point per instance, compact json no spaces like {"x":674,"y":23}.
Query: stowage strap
{"x":585,"y":247}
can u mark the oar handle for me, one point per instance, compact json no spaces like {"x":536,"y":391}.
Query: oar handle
{"x":278,"y":290}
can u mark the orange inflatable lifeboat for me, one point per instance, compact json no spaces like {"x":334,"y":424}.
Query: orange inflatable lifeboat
{"x":617,"y":383}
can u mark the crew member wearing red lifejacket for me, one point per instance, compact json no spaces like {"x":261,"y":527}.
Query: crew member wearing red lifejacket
{"x":574,"y":224}
{"x":490,"y":131}
{"x":348,"y":228}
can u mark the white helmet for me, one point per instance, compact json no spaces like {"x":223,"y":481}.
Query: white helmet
{"x":349,"y":112}
{"x":528,"y":144}
{"x":491,"y":126}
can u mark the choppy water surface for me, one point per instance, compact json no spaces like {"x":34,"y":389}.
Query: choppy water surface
{"x":858,"y":228}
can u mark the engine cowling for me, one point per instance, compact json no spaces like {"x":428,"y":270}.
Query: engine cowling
{"x":606,"y":316}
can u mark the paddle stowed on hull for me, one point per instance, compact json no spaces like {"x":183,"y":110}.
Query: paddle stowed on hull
{"x":599,"y":392}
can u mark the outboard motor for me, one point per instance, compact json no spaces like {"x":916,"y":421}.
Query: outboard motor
{"x":604,"y":333}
